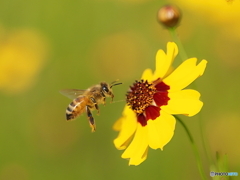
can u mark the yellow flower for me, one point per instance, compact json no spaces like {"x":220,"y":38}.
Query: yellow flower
{"x":23,"y":54}
{"x":147,"y":119}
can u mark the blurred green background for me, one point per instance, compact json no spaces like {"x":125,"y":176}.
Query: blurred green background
{"x":50,"y":45}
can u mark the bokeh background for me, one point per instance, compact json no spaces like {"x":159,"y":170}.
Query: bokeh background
{"x":50,"y":45}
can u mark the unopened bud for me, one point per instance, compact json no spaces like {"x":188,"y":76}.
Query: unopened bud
{"x":169,"y":16}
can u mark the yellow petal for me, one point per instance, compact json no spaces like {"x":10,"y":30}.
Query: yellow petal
{"x":147,"y":75}
{"x":172,"y":49}
{"x":183,"y":102}
{"x":185,"y":74}
{"x":126,"y":112}
{"x":127,"y":125}
{"x":118,"y":124}
{"x":164,"y":61}
{"x":161,"y":130}
{"x":136,"y":151}
{"x":135,"y":160}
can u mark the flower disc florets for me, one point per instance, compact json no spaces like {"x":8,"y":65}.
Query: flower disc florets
{"x":146,"y":99}
{"x":140,"y":96}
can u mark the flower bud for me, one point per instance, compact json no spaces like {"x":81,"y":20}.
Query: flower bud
{"x":169,"y":16}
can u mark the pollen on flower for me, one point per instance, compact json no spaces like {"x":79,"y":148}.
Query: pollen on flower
{"x":140,"y":96}
{"x":146,"y":99}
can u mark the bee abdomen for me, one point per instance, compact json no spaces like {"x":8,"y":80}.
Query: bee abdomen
{"x":70,"y":111}
{"x":74,"y":109}
{"x":69,"y":116}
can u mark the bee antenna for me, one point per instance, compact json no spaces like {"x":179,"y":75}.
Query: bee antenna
{"x":115,"y":84}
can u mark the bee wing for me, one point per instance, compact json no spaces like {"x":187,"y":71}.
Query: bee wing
{"x":72,"y":93}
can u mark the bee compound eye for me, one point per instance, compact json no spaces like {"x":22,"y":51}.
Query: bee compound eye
{"x":105,"y":89}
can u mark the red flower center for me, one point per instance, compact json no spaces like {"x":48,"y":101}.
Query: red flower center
{"x":146,"y":99}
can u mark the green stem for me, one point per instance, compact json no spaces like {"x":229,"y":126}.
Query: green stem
{"x":194,"y":147}
{"x":205,"y":147}
{"x":184,"y":56}
{"x":175,"y":38}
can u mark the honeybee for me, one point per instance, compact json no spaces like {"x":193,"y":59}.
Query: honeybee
{"x":88,"y":100}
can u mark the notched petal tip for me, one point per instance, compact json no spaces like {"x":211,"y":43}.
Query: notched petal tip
{"x":147,"y":75}
{"x":164,"y":60}
{"x":185,"y":74}
{"x":136,"y":151}
{"x":138,"y":160}
{"x":197,"y":109}
{"x":172,"y":49}
{"x":161,"y":130}
{"x":127,"y":126}
{"x":184,"y":102}
{"x":121,"y":144}
{"x":202,"y":66}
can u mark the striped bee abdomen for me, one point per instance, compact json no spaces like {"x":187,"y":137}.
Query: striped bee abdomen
{"x":76,"y":107}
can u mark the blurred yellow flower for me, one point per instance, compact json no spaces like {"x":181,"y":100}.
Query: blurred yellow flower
{"x":223,"y":14}
{"x":147,"y":118}
{"x":22,"y":56}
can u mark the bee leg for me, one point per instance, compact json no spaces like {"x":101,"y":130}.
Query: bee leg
{"x":112,"y":98}
{"x":104,"y":101}
{"x":91,"y":119}
{"x":95,"y":104}
{"x":97,"y":108}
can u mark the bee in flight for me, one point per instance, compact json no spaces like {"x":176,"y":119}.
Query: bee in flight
{"x":87,"y":100}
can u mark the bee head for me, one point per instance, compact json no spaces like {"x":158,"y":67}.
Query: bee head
{"x":107,"y":89}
